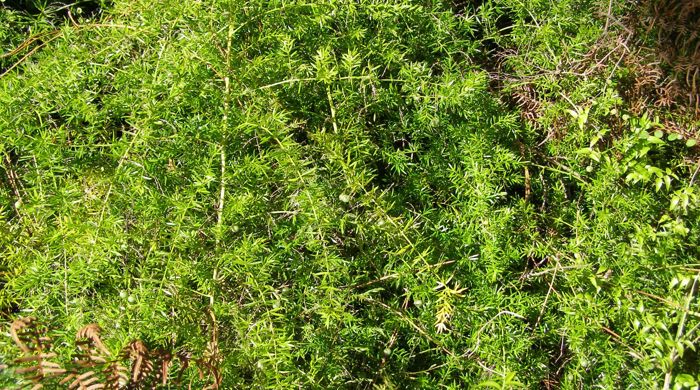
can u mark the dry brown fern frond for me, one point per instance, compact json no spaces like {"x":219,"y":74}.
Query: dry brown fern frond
{"x":86,"y":359}
{"x":162,"y":361}
{"x":28,"y":335}
{"x":209,"y":364}
{"x":141,"y":366}
{"x":526,"y":99}
{"x":93,"y":367}
{"x":32,"y":340}
{"x":675,"y":26}
{"x":667,"y":94}
{"x":184,"y":357}
{"x":91,"y":349}
{"x":116,"y":376}
{"x":83,"y":381}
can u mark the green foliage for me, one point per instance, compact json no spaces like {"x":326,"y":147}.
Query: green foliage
{"x":389,"y":194}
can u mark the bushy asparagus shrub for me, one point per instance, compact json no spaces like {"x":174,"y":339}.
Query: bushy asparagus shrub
{"x":374,"y":194}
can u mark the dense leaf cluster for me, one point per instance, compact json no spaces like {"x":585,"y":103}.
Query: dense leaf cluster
{"x":397,"y":194}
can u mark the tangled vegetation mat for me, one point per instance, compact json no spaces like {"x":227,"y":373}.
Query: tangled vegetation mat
{"x":349,"y":194}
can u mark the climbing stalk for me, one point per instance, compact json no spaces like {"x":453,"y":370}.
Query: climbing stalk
{"x":680,"y":333}
{"x":330,"y":103}
{"x":227,"y":103}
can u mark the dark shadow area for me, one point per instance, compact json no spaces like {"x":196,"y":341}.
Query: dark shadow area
{"x":58,"y":9}
{"x":26,"y":19}
{"x":559,"y":355}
